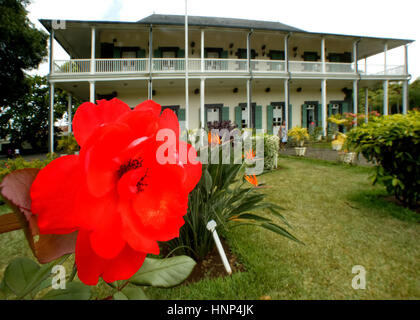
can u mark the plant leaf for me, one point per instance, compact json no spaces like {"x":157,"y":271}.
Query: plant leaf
{"x":120,"y":296}
{"x":15,"y":189}
{"x":134,"y":293}
{"x":164,"y":273}
{"x":73,"y":291}
{"x":19,"y":273}
{"x":279,"y":230}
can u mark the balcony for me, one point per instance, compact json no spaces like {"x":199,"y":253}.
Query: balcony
{"x":214,"y":66}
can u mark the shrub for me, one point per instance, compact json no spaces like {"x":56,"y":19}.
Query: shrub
{"x":299,"y":134}
{"x":393,"y":143}
{"x":271,"y":150}
{"x":68,"y":144}
{"x":223,"y":195}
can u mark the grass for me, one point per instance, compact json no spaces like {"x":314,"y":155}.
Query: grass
{"x":343,"y":221}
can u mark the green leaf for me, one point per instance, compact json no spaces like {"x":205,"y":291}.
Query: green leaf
{"x":164,"y":273}
{"x":19,"y":273}
{"x":208,"y":181}
{"x":250,"y":216}
{"x":279,"y":230}
{"x":73,"y":291}
{"x":134,"y":293}
{"x":120,"y":296}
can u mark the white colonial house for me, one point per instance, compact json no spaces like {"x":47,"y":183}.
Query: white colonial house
{"x":254,"y":73}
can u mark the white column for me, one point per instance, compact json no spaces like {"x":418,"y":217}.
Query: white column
{"x":406,"y":59}
{"x":52,"y":52}
{"x":51,"y":120}
{"x":286,"y":53}
{"x":187,"y":97}
{"x":248,"y":102}
{"x":202,"y":102}
{"x":92,"y":50}
{"x":324,"y":69}
{"x":69,"y":110}
{"x":150,"y":81}
{"x":286,"y":103}
{"x":405,"y":97}
{"x":366,"y":105}
{"x":356,"y":67}
{"x":149,"y":89}
{"x":385,"y":112}
{"x":355,"y":98}
{"x":366,"y":69}
{"x":385,"y":56}
{"x":202,"y":50}
{"x":324,"y":107}
{"x":92,"y":91}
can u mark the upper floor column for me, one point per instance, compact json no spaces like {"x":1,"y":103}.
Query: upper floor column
{"x":92,"y":50}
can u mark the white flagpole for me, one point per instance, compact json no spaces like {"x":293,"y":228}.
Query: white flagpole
{"x":187,"y":118}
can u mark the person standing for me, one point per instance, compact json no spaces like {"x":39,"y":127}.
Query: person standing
{"x":283,"y":136}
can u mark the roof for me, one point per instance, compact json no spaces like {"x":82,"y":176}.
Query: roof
{"x":164,"y":19}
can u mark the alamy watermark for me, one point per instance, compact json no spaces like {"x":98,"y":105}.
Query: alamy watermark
{"x":359,"y":281}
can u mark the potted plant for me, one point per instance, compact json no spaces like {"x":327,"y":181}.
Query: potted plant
{"x":68,"y":145}
{"x":300,"y":135}
{"x":337,"y":144}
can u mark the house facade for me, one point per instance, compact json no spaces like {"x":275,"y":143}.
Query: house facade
{"x":257,"y":74}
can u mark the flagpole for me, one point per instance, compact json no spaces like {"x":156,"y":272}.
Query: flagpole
{"x":186,"y":69}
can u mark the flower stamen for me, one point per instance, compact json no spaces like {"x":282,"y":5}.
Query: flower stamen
{"x":131,"y":164}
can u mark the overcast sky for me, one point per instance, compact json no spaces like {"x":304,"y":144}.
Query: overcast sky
{"x":377,"y":18}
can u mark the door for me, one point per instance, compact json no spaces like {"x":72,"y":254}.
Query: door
{"x":128,"y":65}
{"x":214,"y":113}
{"x":244,"y":108}
{"x":278,"y":117}
{"x":311,"y":114}
{"x":168,"y":64}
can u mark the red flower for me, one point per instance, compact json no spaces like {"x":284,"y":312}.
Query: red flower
{"x":116,"y":193}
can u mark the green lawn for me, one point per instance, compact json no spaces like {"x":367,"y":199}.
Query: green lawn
{"x":342,"y":219}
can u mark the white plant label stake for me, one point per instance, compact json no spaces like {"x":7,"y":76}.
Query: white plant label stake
{"x":211,"y":226}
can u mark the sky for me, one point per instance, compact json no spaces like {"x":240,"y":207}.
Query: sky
{"x":376,"y":18}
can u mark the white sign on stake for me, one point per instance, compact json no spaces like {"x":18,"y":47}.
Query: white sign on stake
{"x":211,"y":226}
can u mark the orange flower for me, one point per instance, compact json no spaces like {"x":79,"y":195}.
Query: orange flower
{"x":250,"y":155}
{"x":214,"y":139}
{"x":252,"y":180}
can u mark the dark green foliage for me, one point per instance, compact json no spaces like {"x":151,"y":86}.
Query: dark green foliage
{"x":22,"y":47}
{"x":393,"y":143}
{"x":26,"y":119}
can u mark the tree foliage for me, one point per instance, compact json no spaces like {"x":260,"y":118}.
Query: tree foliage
{"x":26,"y":119}
{"x":22,"y":47}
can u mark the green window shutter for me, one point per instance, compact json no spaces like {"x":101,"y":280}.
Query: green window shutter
{"x":319,"y":120}
{"x":224,"y":55}
{"x":141,"y":53}
{"x":258,"y":117}
{"x":181,"y":53}
{"x":205,"y":53}
{"x":238,"y":117}
{"x":117,"y":53}
{"x":290,"y":125}
{"x":277,"y":56}
{"x":225,"y":114}
{"x":304,"y":116}
{"x":330,"y":110}
{"x":270,"y":119}
{"x":157,"y":53}
{"x":345,"y":107}
{"x":181,"y":114}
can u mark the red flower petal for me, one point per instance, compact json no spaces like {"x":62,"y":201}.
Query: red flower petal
{"x":53,"y":195}
{"x":90,"y":266}
{"x":169,"y":120}
{"x":150,"y":106}
{"x":90,"y":116}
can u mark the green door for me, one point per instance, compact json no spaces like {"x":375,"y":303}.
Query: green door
{"x":238,"y":117}
{"x":290,"y":117}
{"x":304,"y":116}
{"x":258,"y":117}
{"x":225,"y":113}
{"x":181,"y":115}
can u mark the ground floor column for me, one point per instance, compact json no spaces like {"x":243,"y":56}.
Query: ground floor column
{"x":286,"y":103}
{"x":324,"y":107}
{"x":69,"y":111}
{"x":92,"y":91}
{"x":405,"y":97}
{"x":385,"y":112}
{"x":202,"y":103}
{"x":149,"y":89}
{"x":355,"y":98}
{"x":249,"y":102}
{"x":366,"y":105}
{"x":51,"y":120}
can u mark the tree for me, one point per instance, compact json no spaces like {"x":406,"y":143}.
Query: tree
{"x":22,"y":47}
{"x":26,"y":119}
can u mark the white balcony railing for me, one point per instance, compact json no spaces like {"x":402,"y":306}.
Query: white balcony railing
{"x":177,"y":65}
{"x":121,"y":65}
